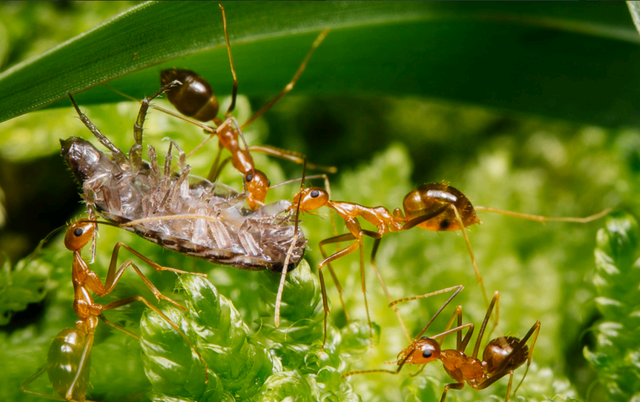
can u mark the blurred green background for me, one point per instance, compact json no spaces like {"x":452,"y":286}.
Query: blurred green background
{"x":541,"y":156}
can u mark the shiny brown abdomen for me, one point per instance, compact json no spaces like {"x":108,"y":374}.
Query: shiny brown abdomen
{"x":432,"y":196}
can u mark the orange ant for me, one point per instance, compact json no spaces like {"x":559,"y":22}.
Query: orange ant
{"x":433,"y":206}
{"x":195,"y":98}
{"x":69,"y":356}
{"x":501,"y":357}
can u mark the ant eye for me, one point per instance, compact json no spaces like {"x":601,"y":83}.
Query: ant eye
{"x":78,"y":232}
{"x":427,"y":353}
{"x":314,"y":193}
{"x":268,"y":183}
{"x":249,"y":177}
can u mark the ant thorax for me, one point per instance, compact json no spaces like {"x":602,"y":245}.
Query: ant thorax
{"x":210,"y":220}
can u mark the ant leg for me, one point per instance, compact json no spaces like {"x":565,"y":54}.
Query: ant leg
{"x":542,"y":219}
{"x":24,"y":385}
{"x":153,"y":264}
{"x":136,"y":149}
{"x":364,"y":288}
{"x":325,"y":306}
{"x":234,"y":91}
{"x":506,"y":398}
{"x":494,"y":301}
{"x":341,"y":253}
{"x":418,"y":372}
{"x":290,"y":156}
{"x":473,"y":258}
{"x":458,"y":313}
{"x":535,"y":330}
{"x":216,"y":168}
{"x":131,"y":299}
{"x":347,"y":236}
{"x":327,"y":261}
{"x":169,"y":112}
{"x":118,"y":327}
{"x":456,"y":386}
{"x":212,"y":131}
{"x":293,"y":81}
{"x":111,"y":282}
{"x":376,"y":243}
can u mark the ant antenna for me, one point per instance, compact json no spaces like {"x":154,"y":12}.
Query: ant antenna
{"x":457,"y":289}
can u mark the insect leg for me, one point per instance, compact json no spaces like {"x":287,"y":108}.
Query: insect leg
{"x":473,"y":258}
{"x":376,"y":243}
{"x":293,"y":81}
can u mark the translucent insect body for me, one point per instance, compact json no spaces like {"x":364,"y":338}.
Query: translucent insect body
{"x":177,"y":211}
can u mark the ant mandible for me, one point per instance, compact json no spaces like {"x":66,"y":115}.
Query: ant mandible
{"x":501,"y":357}
{"x":69,"y":356}
{"x":432,"y":206}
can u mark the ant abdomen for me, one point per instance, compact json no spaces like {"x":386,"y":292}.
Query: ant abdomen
{"x":431,"y":196}
{"x":66,"y":356}
{"x":194,"y":98}
{"x":499,"y":349}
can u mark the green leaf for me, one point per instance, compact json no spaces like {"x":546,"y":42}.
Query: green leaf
{"x":21,"y":285}
{"x":239,"y":365}
{"x":617,"y":280}
{"x":571,"y":61}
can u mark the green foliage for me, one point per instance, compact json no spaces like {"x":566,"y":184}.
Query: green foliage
{"x":410,"y":56}
{"x":383,"y":148}
{"x":21,"y":285}
{"x":617,"y":280}
{"x":241,"y":365}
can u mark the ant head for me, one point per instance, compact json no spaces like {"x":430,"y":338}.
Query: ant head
{"x":257,"y":186}
{"x":422,"y":351}
{"x":311,"y":199}
{"x":79,"y":234}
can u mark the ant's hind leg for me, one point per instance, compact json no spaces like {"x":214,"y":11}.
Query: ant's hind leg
{"x":495,"y":301}
{"x":457,"y":386}
{"x":156,"y":266}
{"x":292,"y":156}
{"x":291,"y":83}
{"x":535,"y":330}
{"x":24,"y":385}
{"x":335,"y":278}
{"x":234,"y":90}
{"x":376,"y":243}
{"x":111,"y":282}
{"x":474,"y":262}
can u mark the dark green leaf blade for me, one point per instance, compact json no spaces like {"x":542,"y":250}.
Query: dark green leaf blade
{"x":530,"y":58}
